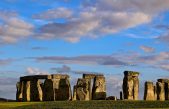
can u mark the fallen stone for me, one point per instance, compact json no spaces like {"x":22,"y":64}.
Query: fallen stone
{"x":111,"y":98}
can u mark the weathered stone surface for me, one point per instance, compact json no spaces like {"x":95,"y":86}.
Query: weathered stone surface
{"x":135,"y":87}
{"x":160,"y":91}
{"x":59,"y":76}
{"x":166,"y":87}
{"x":19,"y":92}
{"x":131,"y":73}
{"x":128,"y":87}
{"x":82,"y":89}
{"x":131,"y":85}
{"x":163,"y":80}
{"x":99,"y":88}
{"x":111,"y":98}
{"x":26,"y":91}
{"x":91,"y":76}
{"x":149,"y":93}
{"x":36,"y":90}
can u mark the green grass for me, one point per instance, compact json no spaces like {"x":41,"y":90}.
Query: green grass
{"x":86,"y":105}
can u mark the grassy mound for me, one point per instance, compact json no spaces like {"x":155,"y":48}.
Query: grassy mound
{"x":86,"y":105}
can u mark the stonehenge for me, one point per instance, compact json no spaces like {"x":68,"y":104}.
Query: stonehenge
{"x":57,"y":87}
{"x":130,"y":85}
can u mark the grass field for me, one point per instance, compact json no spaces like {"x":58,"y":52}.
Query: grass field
{"x":86,"y":105}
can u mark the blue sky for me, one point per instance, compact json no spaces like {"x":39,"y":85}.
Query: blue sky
{"x":76,"y":36}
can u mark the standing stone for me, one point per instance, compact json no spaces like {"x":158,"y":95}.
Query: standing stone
{"x":128,"y":87}
{"x":155,"y":92}
{"x":62,"y":88}
{"x":19,"y":93}
{"x":167,"y":91}
{"x":131,"y":85}
{"x":99,"y":88}
{"x":36,"y":90}
{"x":57,"y":88}
{"x":166,"y":87}
{"x":30,"y":89}
{"x":48,"y":90}
{"x":135,"y":87}
{"x":160,"y":91}
{"x":149,"y":91}
{"x":74,"y":93}
{"x":121,"y":95}
{"x":90,"y":78}
{"x":63,"y":92}
{"x":82,"y":89}
{"x":26,"y":91}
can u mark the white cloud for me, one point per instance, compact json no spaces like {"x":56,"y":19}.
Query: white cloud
{"x":164,"y":66}
{"x":35,"y":71}
{"x":99,"y":18}
{"x":63,"y":69}
{"x":154,"y":59}
{"x":150,"y":6}
{"x":92,"y":25}
{"x":91,"y":19}
{"x":7,"y":14}
{"x":85,"y":60}
{"x":15,"y":29}
{"x":147,"y":49}
{"x":54,"y":14}
{"x":6,"y":61}
{"x":130,"y":59}
{"x":164,"y":38}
